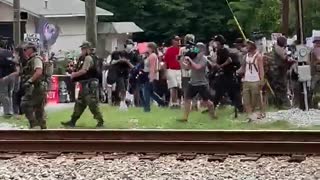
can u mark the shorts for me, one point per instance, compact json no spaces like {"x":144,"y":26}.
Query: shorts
{"x":202,"y":91}
{"x":251,"y":94}
{"x":185,"y":84}
{"x":174,"y":78}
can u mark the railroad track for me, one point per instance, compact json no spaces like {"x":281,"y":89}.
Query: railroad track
{"x":161,"y":141}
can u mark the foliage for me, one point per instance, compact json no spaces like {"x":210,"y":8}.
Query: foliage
{"x":257,"y":15}
{"x":163,"y":18}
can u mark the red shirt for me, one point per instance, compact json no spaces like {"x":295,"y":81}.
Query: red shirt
{"x":171,"y":58}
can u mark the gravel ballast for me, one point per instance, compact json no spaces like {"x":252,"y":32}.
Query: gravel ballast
{"x":296,"y":117}
{"x":164,"y":168}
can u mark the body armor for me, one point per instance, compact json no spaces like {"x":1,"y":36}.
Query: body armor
{"x":91,"y":74}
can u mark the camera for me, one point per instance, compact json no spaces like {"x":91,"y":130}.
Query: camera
{"x":191,"y":50}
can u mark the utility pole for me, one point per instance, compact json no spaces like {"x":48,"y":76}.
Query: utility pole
{"x":16,"y":24}
{"x":300,"y":22}
{"x":91,"y":22}
{"x":285,"y":17}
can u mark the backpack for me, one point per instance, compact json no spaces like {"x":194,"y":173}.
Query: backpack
{"x":47,"y":71}
{"x":98,"y":64}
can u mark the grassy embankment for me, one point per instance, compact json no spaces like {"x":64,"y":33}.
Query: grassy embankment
{"x":159,"y":118}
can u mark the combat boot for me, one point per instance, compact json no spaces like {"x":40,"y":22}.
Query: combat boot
{"x":100,"y":124}
{"x":32,"y":125}
{"x":69,"y":124}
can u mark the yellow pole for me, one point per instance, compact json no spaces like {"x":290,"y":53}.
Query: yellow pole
{"x":237,"y":22}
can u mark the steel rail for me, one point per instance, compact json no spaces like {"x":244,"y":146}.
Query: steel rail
{"x":264,"y":142}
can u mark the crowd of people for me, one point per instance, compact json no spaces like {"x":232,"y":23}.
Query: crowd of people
{"x":187,"y":74}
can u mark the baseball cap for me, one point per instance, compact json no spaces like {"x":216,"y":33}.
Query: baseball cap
{"x":85,"y":44}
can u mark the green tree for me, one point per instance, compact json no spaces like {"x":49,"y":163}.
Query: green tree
{"x":163,"y":18}
{"x":257,"y":15}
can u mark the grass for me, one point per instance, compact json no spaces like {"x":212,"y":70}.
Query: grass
{"x":160,"y":118}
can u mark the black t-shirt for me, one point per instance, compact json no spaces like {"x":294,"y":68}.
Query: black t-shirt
{"x":222,"y":56}
{"x":7,"y":65}
{"x":134,"y":57}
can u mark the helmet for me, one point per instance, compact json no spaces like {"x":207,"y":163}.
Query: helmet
{"x":86,"y":44}
{"x":189,"y":38}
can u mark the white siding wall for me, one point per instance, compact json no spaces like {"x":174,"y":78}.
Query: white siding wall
{"x":31,"y":26}
{"x":72,"y":33}
{"x":6,"y":15}
{"x":6,"y":12}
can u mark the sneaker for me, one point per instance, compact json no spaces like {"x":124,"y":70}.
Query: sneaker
{"x":68,"y":124}
{"x":123,"y":106}
{"x":212,"y":113}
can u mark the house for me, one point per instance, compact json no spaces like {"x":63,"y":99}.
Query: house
{"x":67,"y":15}
{"x":112,"y":35}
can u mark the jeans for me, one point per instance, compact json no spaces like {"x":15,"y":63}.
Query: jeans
{"x":6,"y":92}
{"x":148,"y":93}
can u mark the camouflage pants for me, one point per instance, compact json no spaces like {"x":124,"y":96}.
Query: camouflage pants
{"x":88,"y":96}
{"x":278,"y":81}
{"x":32,"y":104}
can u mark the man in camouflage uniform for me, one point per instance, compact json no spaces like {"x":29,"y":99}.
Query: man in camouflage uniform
{"x":315,"y":71}
{"x":35,"y":88}
{"x":277,"y":75}
{"x":86,"y":75}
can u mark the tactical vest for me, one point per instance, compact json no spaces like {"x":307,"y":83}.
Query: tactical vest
{"x":28,"y":71}
{"x":91,"y":73}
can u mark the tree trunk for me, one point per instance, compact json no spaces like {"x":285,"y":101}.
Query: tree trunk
{"x":285,"y":17}
{"x":91,"y":22}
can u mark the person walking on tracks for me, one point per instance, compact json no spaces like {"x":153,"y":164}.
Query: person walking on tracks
{"x":35,"y":87}
{"x":86,"y":74}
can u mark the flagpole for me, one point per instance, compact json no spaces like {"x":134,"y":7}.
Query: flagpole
{"x":236,"y":20}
